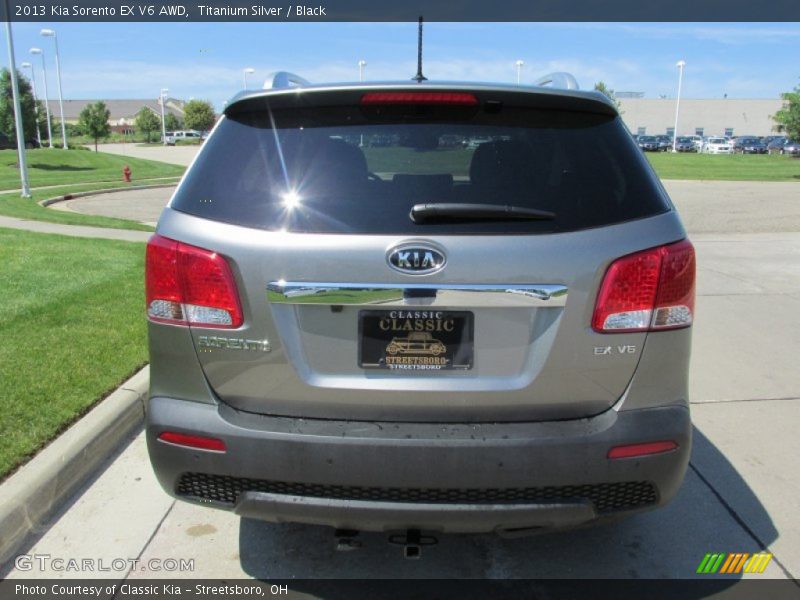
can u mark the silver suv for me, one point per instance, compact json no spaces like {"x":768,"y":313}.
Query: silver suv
{"x":361,"y":319}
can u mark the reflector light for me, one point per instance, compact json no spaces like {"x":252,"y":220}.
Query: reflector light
{"x":647,"y":291}
{"x":186,"y":285}
{"x":633,"y":450}
{"x":452,"y":98}
{"x":192,"y":441}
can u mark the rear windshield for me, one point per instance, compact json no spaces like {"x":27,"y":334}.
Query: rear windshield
{"x":337,"y":170}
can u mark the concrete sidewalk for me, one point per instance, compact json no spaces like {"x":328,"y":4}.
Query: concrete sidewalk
{"x":75,"y":230}
{"x":740,"y":495}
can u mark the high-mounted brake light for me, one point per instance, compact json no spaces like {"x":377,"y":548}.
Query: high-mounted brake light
{"x":192,"y":441}
{"x":634,"y":450}
{"x":648,"y":291}
{"x":438,"y":98}
{"x":186,"y":285}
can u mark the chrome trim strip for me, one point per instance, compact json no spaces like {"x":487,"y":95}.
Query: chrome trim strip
{"x":417,"y":294}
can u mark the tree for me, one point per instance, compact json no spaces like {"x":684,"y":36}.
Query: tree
{"x":27,"y":107}
{"x":73,"y":129}
{"x":93,"y":121}
{"x":147,"y":122}
{"x":788,"y":117}
{"x":601,"y":87}
{"x":171,"y":122}
{"x":199,"y":115}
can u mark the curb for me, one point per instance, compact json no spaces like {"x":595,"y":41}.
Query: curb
{"x":30,"y":497}
{"x":67,"y":197}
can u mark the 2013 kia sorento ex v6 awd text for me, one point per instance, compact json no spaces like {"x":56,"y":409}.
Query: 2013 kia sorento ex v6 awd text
{"x":322,"y":229}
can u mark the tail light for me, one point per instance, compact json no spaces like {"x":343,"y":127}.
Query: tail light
{"x":187,"y":285}
{"x":648,"y":291}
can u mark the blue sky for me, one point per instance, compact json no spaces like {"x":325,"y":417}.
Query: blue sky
{"x":205,"y":60}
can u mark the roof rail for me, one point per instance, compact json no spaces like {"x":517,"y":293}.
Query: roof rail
{"x":283,"y":80}
{"x":558,"y":80}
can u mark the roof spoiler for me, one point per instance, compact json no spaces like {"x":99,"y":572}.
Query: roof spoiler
{"x":559,"y":79}
{"x":285,"y":80}
{"x":281,"y":80}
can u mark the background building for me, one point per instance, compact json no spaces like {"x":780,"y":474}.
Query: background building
{"x":123,"y":112}
{"x":656,"y":116}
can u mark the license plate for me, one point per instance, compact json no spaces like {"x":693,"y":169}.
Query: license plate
{"x":415,"y":340}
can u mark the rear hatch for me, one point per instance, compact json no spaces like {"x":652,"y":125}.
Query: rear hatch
{"x":371,"y":287}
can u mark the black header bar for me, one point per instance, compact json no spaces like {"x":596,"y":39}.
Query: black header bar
{"x":403,"y":10}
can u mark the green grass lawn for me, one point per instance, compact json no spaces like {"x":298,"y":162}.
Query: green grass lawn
{"x":12,"y":205}
{"x":57,"y":167}
{"x":731,"y":167}
{"x":114,"y":138}
{"x":73,"y":328}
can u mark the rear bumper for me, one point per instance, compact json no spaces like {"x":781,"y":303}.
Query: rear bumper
{"x":445,"y":477}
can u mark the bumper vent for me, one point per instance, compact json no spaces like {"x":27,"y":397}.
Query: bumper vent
{"x":606,"y":497}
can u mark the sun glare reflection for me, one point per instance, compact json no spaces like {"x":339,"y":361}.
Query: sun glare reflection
{"x":291,"y":199}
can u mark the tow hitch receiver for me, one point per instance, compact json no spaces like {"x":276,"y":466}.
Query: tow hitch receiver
{"x":346,"y":540}
{"x":412,"y":542}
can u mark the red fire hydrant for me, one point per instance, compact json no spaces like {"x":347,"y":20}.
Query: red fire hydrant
{"x":126,"y":173}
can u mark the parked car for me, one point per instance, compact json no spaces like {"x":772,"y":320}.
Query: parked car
{"x":475,"y":142}
{"x":753,"y":146}
{"x":717,"y":145}
{"x":649,"y":143}
{"x":685,"y":144}
{"x":791,"y":147}
{"x":776,"y":145}
{"x":173,"y":137}
{"x":697,"y":140}
{"x":773,"y":138}
{"x":664,"y":142}
{"x":551,"y":271}
{"x":742,"y":141}
{"x":7,"y":143}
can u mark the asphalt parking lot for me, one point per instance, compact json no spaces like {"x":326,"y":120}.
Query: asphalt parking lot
{"x":741,"y":492}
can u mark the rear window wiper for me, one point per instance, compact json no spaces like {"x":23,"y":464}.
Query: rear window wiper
{"x":428,"y":213}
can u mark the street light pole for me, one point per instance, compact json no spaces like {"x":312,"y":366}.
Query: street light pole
{"x":245,"y":72}
{"x":680,"y":64}
{"x":23,"y":167}
{"x":519,"y":64}
{"x":51,"y":33}
{"x":27,"y":65}
{"x":163,"y":118}
{"x":46,"y":101}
